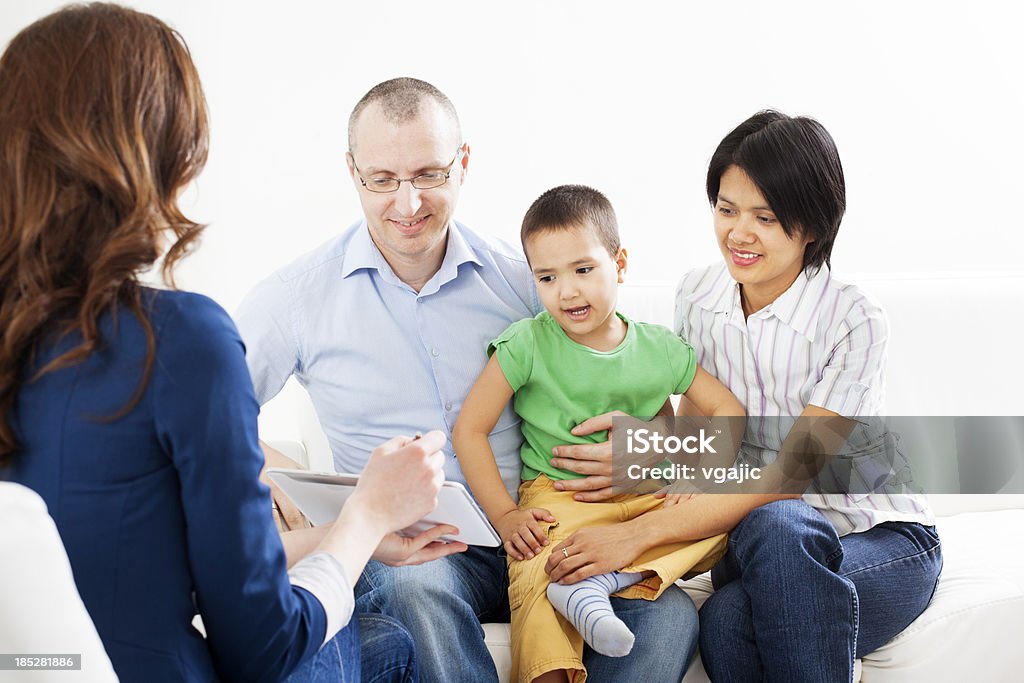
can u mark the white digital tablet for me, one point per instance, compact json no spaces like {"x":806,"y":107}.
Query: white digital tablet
{"x":320,"y":496}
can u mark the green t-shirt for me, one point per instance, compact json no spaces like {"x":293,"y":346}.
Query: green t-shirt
{"x":560,"y":383}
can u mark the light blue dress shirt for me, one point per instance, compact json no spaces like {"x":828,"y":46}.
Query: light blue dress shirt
{"x":378,"y":358}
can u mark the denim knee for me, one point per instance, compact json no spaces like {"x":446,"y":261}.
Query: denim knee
{"x":778,"y":532}
{"x":422,"y":596}
{"x":780,"y":516}
{"x":673,"y":611}
{"x":407,"y":587}
{"x":780,"y":522}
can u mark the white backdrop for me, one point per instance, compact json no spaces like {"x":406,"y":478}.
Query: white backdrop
{"x":924,"y":100}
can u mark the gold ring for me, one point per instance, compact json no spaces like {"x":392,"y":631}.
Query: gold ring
{"x":565,"y":551}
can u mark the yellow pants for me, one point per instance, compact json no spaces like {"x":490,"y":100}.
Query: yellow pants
{"x":542,"y":640}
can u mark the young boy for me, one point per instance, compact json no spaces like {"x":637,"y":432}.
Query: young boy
{"x":577,"y":359}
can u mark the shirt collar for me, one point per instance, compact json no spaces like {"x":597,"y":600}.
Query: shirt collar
{"x":363,"y":254}
{"x":456,"y":253}
{"x":798,"y":307}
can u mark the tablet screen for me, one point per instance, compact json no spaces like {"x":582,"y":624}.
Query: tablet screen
{"x":320,"y":496}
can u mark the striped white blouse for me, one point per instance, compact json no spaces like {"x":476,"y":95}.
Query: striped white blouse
{"x":822,"y":342}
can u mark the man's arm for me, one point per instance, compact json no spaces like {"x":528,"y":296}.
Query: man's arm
{"x":265,"y":322}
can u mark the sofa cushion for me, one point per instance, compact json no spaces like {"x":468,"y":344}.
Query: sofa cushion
{"x":496,"y":637}
{"x":971,"y":630}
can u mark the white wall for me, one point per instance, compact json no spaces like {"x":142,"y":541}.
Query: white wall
{"x":923,"y":99}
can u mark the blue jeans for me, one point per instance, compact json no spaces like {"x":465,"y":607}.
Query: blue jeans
{"x":442,"y":604}
{"x":794,"y":602}
{"x":666,"y":641}
{"x":371,"y":648}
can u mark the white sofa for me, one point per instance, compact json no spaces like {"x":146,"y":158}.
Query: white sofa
{"x":958,"y":327}
{"x":41,"y":612}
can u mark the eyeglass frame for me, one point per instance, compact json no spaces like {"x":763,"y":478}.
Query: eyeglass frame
{"x":447,"y":173}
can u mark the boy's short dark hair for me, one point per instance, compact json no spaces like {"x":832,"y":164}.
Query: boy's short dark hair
{"x":569,"y":207}
{"x":795,"y":164}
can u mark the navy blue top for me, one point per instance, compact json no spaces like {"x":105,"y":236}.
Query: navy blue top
{"x":163,"y":505}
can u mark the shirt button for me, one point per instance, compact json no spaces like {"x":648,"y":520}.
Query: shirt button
{"x":435,"y":353}
{"x":448,"y":407}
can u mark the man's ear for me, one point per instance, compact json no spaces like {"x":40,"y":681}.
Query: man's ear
{"x":351,"y":163}
{"x":621,"y":262}
{"x":464,"y":162}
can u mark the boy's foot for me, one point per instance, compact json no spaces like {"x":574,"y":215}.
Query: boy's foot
{"x":587,"y":606}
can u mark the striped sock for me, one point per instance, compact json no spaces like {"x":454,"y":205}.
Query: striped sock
{"x":587,"y":606}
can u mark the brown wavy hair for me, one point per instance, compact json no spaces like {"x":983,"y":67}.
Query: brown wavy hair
{"x":102,"y":123}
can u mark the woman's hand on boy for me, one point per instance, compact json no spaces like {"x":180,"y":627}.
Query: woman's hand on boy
{"x":593,"y":550}
{"x":521,"y":533}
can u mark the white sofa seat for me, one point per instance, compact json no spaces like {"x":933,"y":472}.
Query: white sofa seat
{"x":971,"y":630}
{"x":496,"y":637}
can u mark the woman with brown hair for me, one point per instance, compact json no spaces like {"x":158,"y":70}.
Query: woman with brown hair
{"x":130,"y":410}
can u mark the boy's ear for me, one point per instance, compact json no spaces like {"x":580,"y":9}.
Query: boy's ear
{"x":621,"y":261}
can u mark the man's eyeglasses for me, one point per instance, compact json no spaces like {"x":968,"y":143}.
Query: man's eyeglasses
{"x":424,"y":181}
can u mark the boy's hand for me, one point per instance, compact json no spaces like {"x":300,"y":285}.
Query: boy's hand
{"x":521,"y":533}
